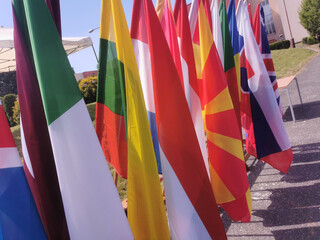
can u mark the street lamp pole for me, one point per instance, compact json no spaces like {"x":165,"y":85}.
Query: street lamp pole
{"x":93,"y":29}
{"x":292,"y":44}
{"x":94,"y":51}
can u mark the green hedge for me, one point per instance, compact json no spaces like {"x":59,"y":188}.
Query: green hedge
{"x":305,"y":40}
{"x":8,"y":103}
{"x":280,"y":45}
{"x":309,"y":40}
{"x":312,"y":40}
{"x":88,"y":88}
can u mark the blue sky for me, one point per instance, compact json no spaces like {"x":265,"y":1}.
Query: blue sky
{"x":78,"y":16}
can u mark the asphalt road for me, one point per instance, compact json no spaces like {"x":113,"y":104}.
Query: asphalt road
{"x":288,"y":206}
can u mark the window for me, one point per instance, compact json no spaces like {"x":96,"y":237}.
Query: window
{"x":269,"y":24}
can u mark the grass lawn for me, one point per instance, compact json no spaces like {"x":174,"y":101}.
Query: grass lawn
{"x":290,"y":61}
{"x":17,"y":138}
{"x":92,"y":111}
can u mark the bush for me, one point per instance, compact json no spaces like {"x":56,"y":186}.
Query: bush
{"x":8,"y":103}
{"x":280,"y":45}
{"x":312,"y":40}
{"x":305,"y":40}
{"x":16,"y":112}
{"x":88,"y":88}
{"x":309,"y":15}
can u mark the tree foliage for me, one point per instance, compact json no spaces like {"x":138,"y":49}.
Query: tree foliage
{"x":309,"y":15}
{"x":8,"y":103}
{"x":8,"y":83}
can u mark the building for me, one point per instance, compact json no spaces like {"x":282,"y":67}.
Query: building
{"x":80,"y":76}
{"x":277,"y":14}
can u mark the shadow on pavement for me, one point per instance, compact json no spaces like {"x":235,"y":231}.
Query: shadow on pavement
{"x":296,"y":208}
{"x":292,"y":206}
{"x":306,"y":164}
{"x":255,"y":169}
{"x":309,"y":110}
{"x":308,"y":233}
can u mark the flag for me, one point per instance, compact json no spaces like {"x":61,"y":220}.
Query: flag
{"x":194,"y":26}
{"x":147,"y":87}
{"x":271,"y":139}
{"x":146,"y":212}
{"x":40,"y":168}
{"x":229,"y":64}
{"x":176,"y":47}
{"x":180,"y":14}
{"x":246,"y":116}
{"x":164,"y":12}
{"x":91,"y":202}
{"x":227,"y":168}
{"x":19,"y":218}
{"x":191,"y":207}
{"x":250,"y":13}
{"x":260,"y":34}
{"x":54,"y":7}
{"x":216,"y":25}
{"x":111,"y":110}
{"x":235,"y":38}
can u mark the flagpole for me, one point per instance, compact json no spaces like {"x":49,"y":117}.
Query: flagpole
{"x":115,"y":178}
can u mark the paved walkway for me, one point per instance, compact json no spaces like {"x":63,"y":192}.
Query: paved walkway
{"x":288,"y":206}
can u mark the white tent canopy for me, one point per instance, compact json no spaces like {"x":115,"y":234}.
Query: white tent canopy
{"x":7,"y":53}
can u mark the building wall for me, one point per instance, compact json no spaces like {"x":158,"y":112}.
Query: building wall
{"x":280,"y":19}
{"x":277,"y":21}
{"x":298,"y":31}
{"x":275,"y":10}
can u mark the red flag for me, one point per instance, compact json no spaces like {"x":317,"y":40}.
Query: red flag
{"x":164,"y":12}
{"x":190,"y":73}
{"x":227,"y":169}
{"x":189,"y":196}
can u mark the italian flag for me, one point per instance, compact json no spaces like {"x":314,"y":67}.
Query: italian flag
{"x":92,"y":206}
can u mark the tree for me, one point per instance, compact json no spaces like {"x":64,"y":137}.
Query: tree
{"x":310,"y":16}
{"x":8,"y":83}
{"x":8,"y":103}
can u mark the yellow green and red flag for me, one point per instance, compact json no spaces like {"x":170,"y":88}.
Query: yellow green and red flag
{"x":118,"y":72}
